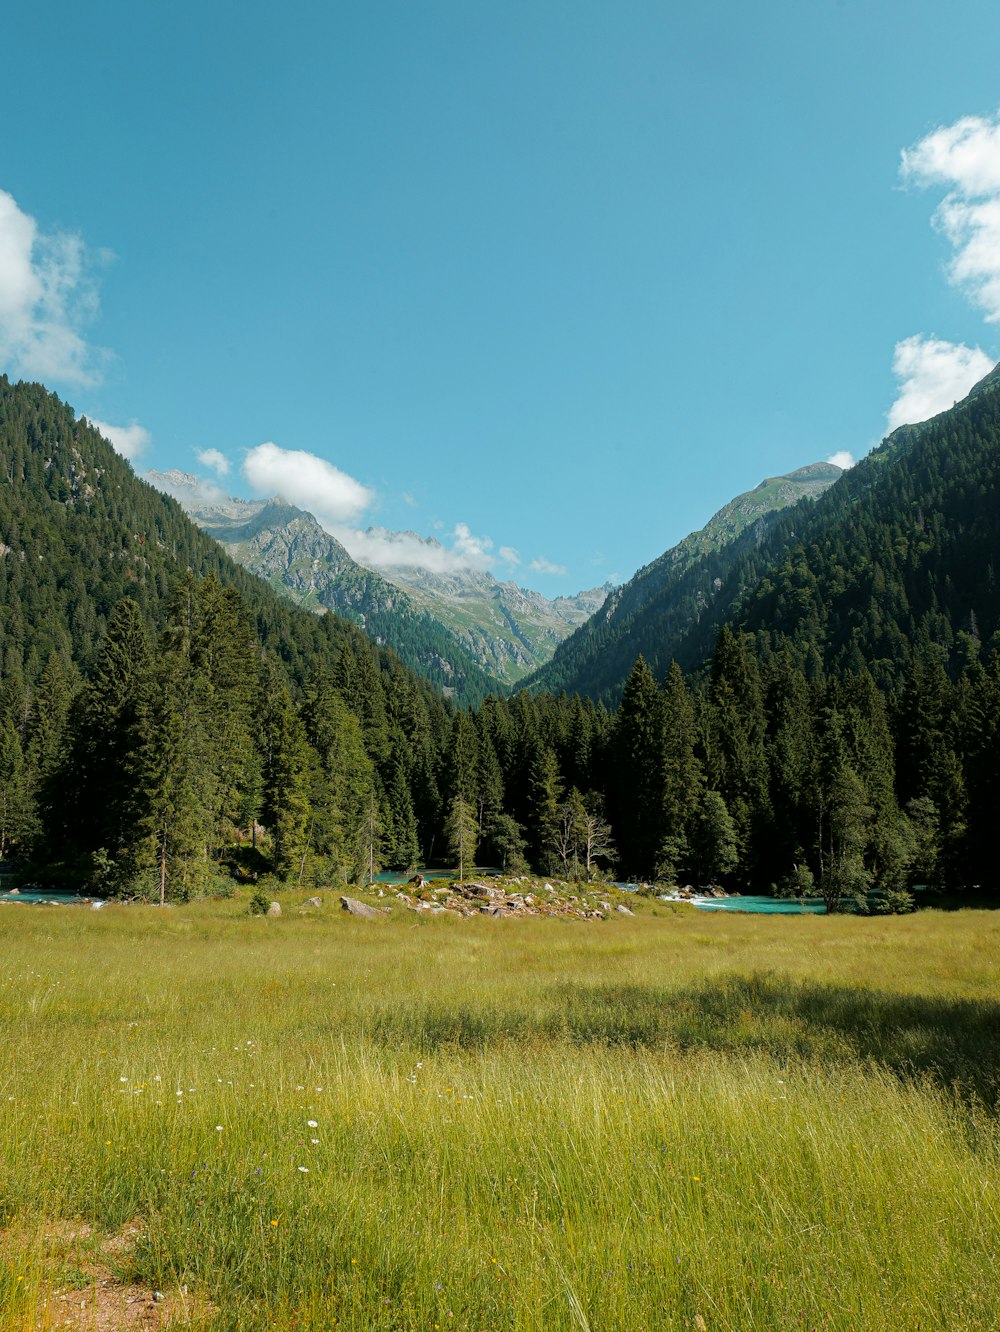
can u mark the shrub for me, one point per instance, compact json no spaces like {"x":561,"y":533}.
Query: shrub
{"x":260,"y":902}
{"x":895,"y":902}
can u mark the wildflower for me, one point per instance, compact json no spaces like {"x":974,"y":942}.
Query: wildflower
{"x":312,"y":1123}
{"x":274,"y":1223}
{"x":304,"y":1169}
{"x":314,"y":1141}
{"x":218,"y":1128}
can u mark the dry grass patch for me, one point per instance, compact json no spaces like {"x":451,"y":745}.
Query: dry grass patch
{"x":78,"y":1278}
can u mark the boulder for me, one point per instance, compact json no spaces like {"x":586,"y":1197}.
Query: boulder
{"x":313,"y":902}
{"x":624,"y":910}
{"x":274,"y":909}
{"x":362,"y":909}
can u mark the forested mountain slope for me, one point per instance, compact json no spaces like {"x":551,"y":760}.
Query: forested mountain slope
{"x":157,"y":702}
{"x":79,"y":530}
{"x":652,"y":612}
{"x":896,"y":563}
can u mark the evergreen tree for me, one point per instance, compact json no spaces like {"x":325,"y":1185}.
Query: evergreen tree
{"x":15,"y":799}
{"x":94,"y":798}
{"x":286,"y":777}
{"x":544,"y":795}
{"x":506,"y":845}
{"x":736,"y":759}
{"x":172,"y":768}
{"x":461,"y":833}
{"x":638,"y":795}
{"x":714,"y":844}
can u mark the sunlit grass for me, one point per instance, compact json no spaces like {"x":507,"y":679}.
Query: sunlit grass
{"x":524,"y":1124}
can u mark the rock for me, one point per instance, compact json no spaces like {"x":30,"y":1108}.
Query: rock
{"x":13,"y":892}
{"x":98,"y":904}
{"x":624,"y":910}
{"x":313,"y":902}
{"x":418,"y":881}
{"x":274,"y":909}
{"x":362,"y":909}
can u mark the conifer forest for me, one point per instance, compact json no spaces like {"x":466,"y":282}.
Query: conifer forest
{"x":168,"y":724}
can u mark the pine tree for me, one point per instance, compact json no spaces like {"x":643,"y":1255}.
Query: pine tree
{"x":461,"y":834}
{"x":736,"y":760}
{"x":94,"y":799}
{"x":15,"y":798}
{"x":638,"y":796}
{"x":544,"y":795}
{"x":286,"y":777}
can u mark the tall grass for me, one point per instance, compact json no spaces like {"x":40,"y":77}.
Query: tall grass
{"x":524,"y":1124}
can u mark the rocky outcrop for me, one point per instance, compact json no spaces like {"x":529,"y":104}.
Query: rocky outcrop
{"x":362,"y":909}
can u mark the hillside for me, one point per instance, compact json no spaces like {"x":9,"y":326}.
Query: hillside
{"x":512,"y":630}
{"x":79,"y":531}
{"x":899,"y":561}
{"x":895,"y":561}
{"x":651,"y":613}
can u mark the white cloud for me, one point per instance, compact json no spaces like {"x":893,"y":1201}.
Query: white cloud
{"x":218,"y":462}
{"x":193,"y":491}
{"x":542,"y":565}
{"x":475,"y":551}
{"x":379,"y":548}
{"x":335,"y":499}
{"x":844,"y":459}
{"x":965,"y":158}
{"x":131,"y":441}
{"x":408,"y":500}
{"x":509,"y":555}
{"x":47,"y":296}
{"x":307,"y":481}
{"x":933,"y":376}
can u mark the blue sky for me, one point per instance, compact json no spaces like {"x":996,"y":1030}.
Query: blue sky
{"x":548,"y":281}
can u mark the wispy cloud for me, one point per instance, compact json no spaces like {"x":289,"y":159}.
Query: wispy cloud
{"x":379,"y":548}
{"x":131,"y":441}
{"x":213,"y":458}
{"x":308,"y":481}
{"x":196,"y":491}
{"x":509,"y":555}
{"x":965,"y":159}
{"x":47,"y":296}
{"x":933,"y":375}
{"x":542,"y":565}
{"x":844,"y":459}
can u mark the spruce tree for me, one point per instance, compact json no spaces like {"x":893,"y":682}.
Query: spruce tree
{"x":461,"y":834}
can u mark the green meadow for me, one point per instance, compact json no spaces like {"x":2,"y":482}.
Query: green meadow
{"x":682,"y":1120}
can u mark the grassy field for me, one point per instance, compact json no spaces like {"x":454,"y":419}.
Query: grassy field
{"x":678,"y":1121}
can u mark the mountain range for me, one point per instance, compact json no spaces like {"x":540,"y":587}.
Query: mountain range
{"x":867,"y":568}
{"x":465,"y":630}
{"x":838,"y":638}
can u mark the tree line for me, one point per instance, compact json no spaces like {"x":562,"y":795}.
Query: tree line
{"x":183,"y":760}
